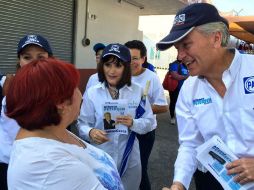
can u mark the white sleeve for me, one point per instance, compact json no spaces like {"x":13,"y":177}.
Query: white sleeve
{"x":189,"y":139}
{"x":72,"y":174}
{"x":2,"y":81}
{"x":157,"y":96}
{"x":9,"y":125}
{"x":86,"y":120}
{"x":89,"y":83}
{"x":144,"y":124}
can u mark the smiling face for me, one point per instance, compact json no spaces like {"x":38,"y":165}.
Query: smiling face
{"x":136,"y":62}
{"x":31,"y":53}
{"x":107,"y":116}
{"x":113,"y":71}
{"x":196,"y":51}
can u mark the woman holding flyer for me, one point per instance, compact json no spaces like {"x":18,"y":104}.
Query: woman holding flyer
{"x":120,"y":97}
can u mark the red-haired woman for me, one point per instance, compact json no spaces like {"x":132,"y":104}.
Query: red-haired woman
{"x":45,"y":155}
{"x":30,"y":47}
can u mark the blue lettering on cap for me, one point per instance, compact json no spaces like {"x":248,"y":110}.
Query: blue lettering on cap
{"x":248,"y":85}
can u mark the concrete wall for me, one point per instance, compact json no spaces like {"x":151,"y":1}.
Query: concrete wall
{"x":108,"y":22}
{"x":114,"y":22}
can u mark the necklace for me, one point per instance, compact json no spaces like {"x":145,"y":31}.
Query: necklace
{"x":78,"y":140}
{"x":114,"y":92}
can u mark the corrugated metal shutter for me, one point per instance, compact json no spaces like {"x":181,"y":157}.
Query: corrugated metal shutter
{"x":53,"y":19}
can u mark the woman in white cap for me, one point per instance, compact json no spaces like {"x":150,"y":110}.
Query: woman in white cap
{"x":30,"y":47}
{"x":116,"y":88}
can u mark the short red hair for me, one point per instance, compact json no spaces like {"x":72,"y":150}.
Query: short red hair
{"x":37,"y":88}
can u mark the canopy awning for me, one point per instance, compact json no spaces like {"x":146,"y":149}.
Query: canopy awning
{"x":242,"y":27}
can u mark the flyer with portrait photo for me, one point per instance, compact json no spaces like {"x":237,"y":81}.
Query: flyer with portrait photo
{"x":112,"y":109}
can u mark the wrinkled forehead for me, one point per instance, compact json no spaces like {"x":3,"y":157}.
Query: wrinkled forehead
{"x":182,"y":41}
{"x":192,"y":36}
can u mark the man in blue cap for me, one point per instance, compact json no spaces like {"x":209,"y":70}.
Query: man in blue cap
{"x":93,"y":79}
{"x":217,"y":98}
{"x":98,"y":49}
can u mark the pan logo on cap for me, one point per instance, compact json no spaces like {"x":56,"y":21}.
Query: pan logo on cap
{"x":32,"y":38}
{"x":114,"y":48}
{"x":179,"y":19}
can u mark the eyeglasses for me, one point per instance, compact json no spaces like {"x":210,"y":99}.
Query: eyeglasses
{"x":135,"y":58}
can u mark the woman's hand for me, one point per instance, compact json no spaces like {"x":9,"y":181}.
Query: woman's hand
{"x":98,"y":136}
{"x":243,"y":168}
{"x":125,"y":120}
{"x":175,"y":186}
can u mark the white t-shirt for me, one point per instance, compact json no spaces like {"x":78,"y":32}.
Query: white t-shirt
{"x":155,"y":93}
{"x":40,"y":163}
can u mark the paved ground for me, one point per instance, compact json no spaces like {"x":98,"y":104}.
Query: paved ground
{"x":161,"y":163}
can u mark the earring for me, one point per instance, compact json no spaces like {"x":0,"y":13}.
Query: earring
{"x":60,"y":111}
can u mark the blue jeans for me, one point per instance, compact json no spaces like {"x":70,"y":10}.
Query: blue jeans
{"x":146,"y":142}
{"x":3,"y":176}
{"x":206,"y":181}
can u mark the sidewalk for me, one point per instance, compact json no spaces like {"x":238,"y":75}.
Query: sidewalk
{"x":162,"y":159}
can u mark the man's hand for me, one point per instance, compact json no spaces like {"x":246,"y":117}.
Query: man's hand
{"x":243,"y":168}
{"x":175,"y":186}
{"x":98,"y":136}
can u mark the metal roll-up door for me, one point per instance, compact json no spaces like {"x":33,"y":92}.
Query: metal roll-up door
{"x":53,"y":19}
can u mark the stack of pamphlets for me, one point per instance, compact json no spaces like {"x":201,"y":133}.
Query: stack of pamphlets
{"x":215,"y":155}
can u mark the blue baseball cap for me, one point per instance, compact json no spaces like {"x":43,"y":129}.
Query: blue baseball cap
{"x":36,"y":40}
{"x":118,"y":50}
{"x":98,"y":47}
{"x":187,"y":19}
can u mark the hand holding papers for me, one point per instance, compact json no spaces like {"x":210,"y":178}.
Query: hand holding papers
{"x":215,"y":155}
{"x":98,"y":136}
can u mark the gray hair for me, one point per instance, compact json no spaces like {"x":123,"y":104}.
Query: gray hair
{"x":212,"y":27}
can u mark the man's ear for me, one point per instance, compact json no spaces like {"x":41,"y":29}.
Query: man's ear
{"x":217,"y":39}
{"x":143,"y":59}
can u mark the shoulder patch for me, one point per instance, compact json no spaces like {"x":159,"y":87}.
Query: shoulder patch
{"x":248,"y":85}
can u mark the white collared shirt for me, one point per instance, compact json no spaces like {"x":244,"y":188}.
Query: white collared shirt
{"x":155,"y":93}
{"x":91,"y":116}
{"x":93,"y":80}
{"x":202,"y":113}
{"x":8,"y":132}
